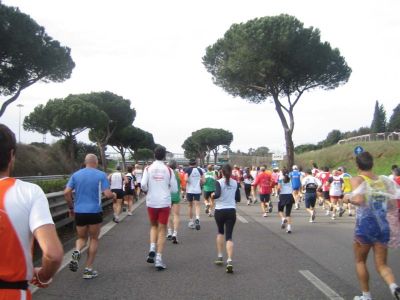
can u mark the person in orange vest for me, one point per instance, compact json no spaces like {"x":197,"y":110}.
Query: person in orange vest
{"x":24,"y":215}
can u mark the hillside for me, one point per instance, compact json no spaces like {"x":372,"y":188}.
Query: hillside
{"x":385,"y":154}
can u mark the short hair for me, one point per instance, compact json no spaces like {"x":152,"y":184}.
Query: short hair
{"x":396,"y":172}
{"x":365,"y":161}
{"x":7,"y":144}
{"x":130,"y":169}
{"x":91,"y":159}
{"x":262,"y":169}
{"x":172,"y":164}
{"x":160,"y":152}
{"x":210,"y":167}
{"x":192,"y":162}
{"x":308,"y":171}
{"x":326,"y":169}
{"x":394,"y":167}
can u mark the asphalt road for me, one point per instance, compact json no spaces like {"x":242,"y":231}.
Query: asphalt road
{"x":314,"y":262}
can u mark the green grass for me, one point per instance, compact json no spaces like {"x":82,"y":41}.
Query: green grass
{"x":385,"y":155}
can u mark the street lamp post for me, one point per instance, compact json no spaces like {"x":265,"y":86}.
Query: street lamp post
{"x":20,"y":106}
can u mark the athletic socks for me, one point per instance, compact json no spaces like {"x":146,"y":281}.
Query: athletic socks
{"x":153,"y":247}
{"x":367,"y":295}
{"x":393,"y":287}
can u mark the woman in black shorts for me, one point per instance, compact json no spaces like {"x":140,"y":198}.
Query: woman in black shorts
{"x":226,"y":195}
{"x":286,"y":202}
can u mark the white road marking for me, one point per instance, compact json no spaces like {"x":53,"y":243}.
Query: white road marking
{"x":243,"y":220}
{"x":319,"y":284}
{"x":104,"y":229}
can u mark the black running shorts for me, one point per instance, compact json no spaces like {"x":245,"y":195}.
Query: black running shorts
{"x":84,"y":219}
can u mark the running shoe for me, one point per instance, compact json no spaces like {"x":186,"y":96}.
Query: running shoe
{"x":169,"y":236}
{"x":333,"y":217}
{"x":210,"y":214}
{"x":197,"y":224}
{"x":327,"y":213}
{"x":283,"y":225}
{"x":129,"y":213}
{"x":207,"y":209}
{"x":396,"y":293}
{"x":311,"y":220}
{"x":248,"y":202}
{"x":361,"y":298}
{"x":116,"y":220}
{"x":341,"y":212}
{"x":150,"y":257}
{"x":270,"y":208}
{"x":313,"y":215}
{"x":174,"y":239}
{"x":229,"y":267}
{"x":159,"y":264}
{"x":255,"y":201}
{"x":219,"y":261}
{"x":265,"y":215}
{"x":74,"y":263}
{"x":350,"y":214}
{"x":297,"y":206}
{"x":289,"y":231}
{"x":191,"y":224}
{"x":89,"y":274}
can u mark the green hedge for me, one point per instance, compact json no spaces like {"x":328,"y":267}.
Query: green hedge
{"x":51,"y":186}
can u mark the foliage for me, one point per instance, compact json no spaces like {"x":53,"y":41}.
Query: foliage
{"x":143,"y":154}
{"x":261,"y":151}
{"x":379,"y":121}
{"x":118,"y":114}
{"x":275,"y":57}
{"x":64,"y":117}
{"x":28,"y":55}
{"x":306,"y":148}
{"x":52,"y":186}
{"x":332,"y":138}
{"x":394,"y":122}
{"x":206,"y":140}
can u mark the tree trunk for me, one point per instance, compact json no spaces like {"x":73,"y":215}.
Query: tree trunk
{"x":288,"y":130}
{"x":102,"y":149}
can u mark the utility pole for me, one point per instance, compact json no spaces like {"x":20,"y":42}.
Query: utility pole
{"x":20,"y":106}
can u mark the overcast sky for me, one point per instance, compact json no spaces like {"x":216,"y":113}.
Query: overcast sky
{"x":150,"y":52}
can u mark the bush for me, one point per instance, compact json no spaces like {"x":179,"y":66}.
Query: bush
{"x":51,"y":186}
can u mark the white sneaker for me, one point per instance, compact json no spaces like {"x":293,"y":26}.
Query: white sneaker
{"x":191,"y":224}
{"x":129,"y":213}
{"x":159,"y":264}
{"x":265,"y":215}
{"x":361,"y":298}
{"x":327,"y":213}
{"x":333,"y":217}
{"x":311,"y":220}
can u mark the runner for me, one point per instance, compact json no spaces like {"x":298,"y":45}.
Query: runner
{"x":226,"y":195}
{"x":346,"y":177}
{"x":335,"y":193}
{"x":275,"y":178}
{"x":324,"y":178}
{"x":247,"y":181}
{"x":175,"y":200}
{"x":286,"y":202}
{"x":254,"y":172}
{"x":129,"y":189}
{"x":24,"y":214}
{"x":159,"y":182}
{"x":182,"y":177}
{"x":194,"y":179}
{"x":138,"y":173}
{"x":88,"y":184}
{"x":371,"y":195}
{"x":264,"y":183}
{"x":208,"y":189}
{"x":117,"y":181}
{"x":295,"y":178}
{"x":310,"y":184}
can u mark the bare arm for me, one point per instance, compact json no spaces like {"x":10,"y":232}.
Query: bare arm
{"x":53,"y":252}
{"x":359,"y":198}
{"x":109,"y":194}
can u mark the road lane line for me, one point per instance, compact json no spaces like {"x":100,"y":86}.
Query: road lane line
{"x":104,"y":229}
{"x":323,"y":287}
{"x":243,"y":220}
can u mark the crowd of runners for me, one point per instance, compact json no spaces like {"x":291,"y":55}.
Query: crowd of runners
{"x":373,"y":201}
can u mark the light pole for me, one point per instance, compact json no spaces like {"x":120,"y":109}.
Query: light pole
{"x":20,"y":106}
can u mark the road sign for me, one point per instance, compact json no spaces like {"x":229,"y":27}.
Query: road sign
{"x":274,"y":164}
{"x":358,"y":150}
{"x":277,"y":156}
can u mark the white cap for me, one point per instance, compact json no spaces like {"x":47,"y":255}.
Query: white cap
{"x":295,"y":167}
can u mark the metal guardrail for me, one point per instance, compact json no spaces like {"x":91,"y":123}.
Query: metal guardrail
{"x":42,"y":178}
{"x":59,"y":209}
